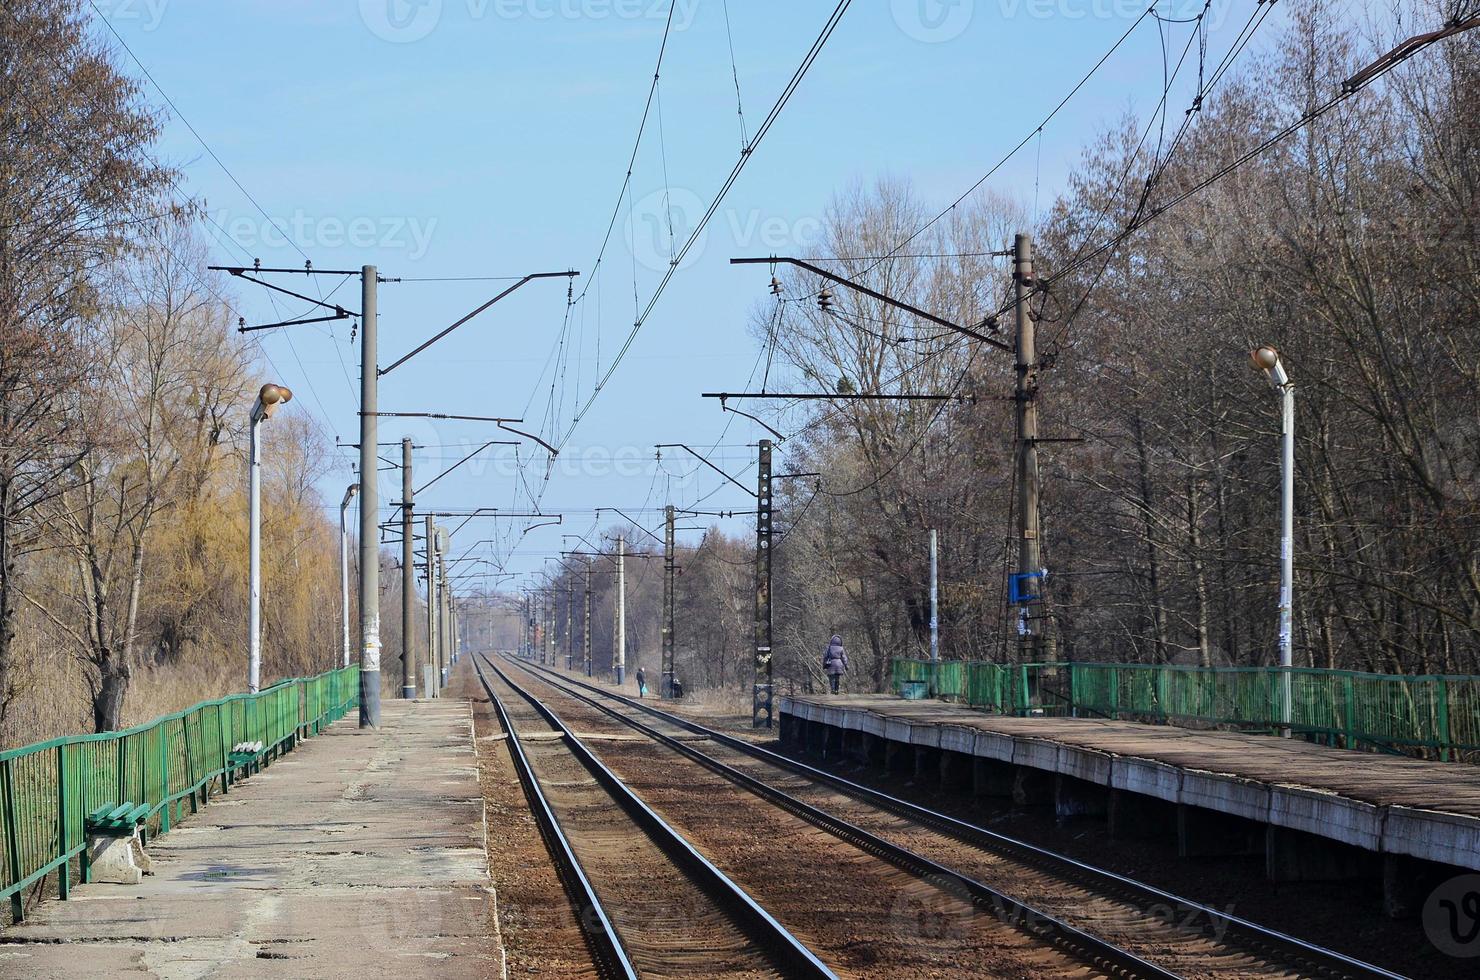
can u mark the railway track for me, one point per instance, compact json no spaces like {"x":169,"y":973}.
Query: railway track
{"x":865,"y":905}
{"x":672,"y":912}
{"x":1181,"y":937}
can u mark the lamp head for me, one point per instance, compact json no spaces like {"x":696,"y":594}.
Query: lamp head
{"x":269,"y":398}
{"x":1267,"y":359}
{"x":349,"y":494}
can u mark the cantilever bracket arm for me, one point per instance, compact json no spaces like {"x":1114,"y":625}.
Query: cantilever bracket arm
{"x":381,"y":372}
{"x":530,"y":435}
{"x":629,"y":520}
{"x":243,"y":328}
{"x":307,"y":299}
{"x":679,"y":445}
{"x":891,"y":301}
{"x":735,"y":411}
{"x":496,"y":442}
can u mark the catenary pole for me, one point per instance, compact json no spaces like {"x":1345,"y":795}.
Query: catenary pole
{"x":550,"y":630}
{"x":761,"y":686}
{"x":408,"y":576}
{"x":369,"y":506}
{"x":621,"y":662}
{"x":665,"y":683}
{"x":444,"y":613}
{"x":428,"y":685}
{"x":1029,"y":563}
{"x":586,"y":633}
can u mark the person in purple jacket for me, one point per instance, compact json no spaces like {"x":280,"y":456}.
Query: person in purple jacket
{"x":834,"y":662}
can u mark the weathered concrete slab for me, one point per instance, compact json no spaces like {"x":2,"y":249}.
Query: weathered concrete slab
{"x":355,"y":855}
{"x":957,"y":738}
{"x":1389,"y":804}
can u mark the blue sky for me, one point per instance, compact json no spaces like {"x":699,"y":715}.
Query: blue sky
{"x":469,"y":138}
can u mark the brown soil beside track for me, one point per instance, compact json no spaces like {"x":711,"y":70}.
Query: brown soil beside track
{"x":669,"y":925}
{"x":541,"y":935}
{"x":860,"y":914}
{"x":1344,"y":916}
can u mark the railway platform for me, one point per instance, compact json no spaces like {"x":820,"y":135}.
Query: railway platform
{"x":1314,"y":812}
{"x":357,"y":854}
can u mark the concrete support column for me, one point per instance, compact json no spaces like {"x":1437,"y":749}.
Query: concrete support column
{"x":990,"y":777}
{"x":1075,"y":798}
{"x":955,"y":772}
{"x":816,"y":737}
{"x":1407,"y":883}
{"x":927,"y":762}
{"x":1208,"y":833}
{"x":788,"y":727}
{"x":1032,"y":787}
{"x":1135,"y":816}
{"x":832,"y":742}
{"x":1290,"y":855}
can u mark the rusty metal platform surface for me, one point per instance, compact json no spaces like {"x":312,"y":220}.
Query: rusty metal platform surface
{"x":357,"y":854}
{"x":1409,"y":806}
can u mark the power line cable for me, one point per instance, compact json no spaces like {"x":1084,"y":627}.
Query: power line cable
{"x":828,"y":28}
{"x":200,"y":139}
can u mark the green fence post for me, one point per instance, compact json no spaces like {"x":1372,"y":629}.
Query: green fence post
{"x":1023,"y":670}
{"x":1349,"y":710}
{"x":190,"y":779}
{"x":122,"y":770}
{"x":64,"y":870}
{"x":11,"y":814}
{"x":164,"y":778}
{"x":223,"y":729}
{"x":1114,"y":699}
{"x":1441,"y":737}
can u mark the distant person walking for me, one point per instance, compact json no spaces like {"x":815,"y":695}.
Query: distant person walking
{"x":641,"y":683}
{"x":834,"y":662}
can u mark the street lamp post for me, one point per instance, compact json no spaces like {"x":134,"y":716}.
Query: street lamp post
{"x":349,"y":494}
{"x":268,"y":399}
{"x":1268,"y":360}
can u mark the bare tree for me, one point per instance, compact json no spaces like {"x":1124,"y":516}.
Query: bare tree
{"x":74,"y":171}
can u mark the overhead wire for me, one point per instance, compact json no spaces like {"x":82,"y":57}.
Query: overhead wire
{"x":812,"y":54}
{"x":193,"y":206}
{"x":200,"y":139}
{"x":642,"y":314}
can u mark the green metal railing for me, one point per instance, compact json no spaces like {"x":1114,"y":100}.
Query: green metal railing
{"x":47,"y":789}
{"x":1439,"y":713}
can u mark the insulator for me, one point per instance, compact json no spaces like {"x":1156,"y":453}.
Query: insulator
{"x":824,"y":300}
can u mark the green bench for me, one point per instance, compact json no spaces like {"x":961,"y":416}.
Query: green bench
{"x":115,"y":844}
{"x":246,"y":755}
{"x":116,"y":821}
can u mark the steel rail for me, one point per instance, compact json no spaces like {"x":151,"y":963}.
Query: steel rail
{"x":795,"y":959}
{"x":1039,"y":925}
{"x":1323,"y":961}
{"x":601,"y":939}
